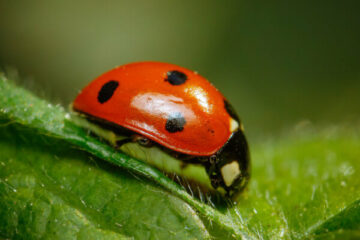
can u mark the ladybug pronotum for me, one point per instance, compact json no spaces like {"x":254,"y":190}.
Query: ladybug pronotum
{"x":172,"y":118}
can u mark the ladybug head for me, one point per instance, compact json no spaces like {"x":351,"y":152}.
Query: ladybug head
{"x":229,"y":167}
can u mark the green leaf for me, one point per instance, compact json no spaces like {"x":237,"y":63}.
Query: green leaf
{"x":55,"y":184}
{"x":304,"y":184}
{"x":26,"y":111}
{"x":51,"y":191}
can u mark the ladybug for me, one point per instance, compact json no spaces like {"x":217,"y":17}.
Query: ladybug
{"x":172,"y":118}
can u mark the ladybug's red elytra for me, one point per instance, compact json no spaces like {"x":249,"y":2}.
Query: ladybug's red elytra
{"x":176,"y":109}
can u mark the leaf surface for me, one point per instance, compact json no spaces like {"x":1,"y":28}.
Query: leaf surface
{"x":55,"y":184}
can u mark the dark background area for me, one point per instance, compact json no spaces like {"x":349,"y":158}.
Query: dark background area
{"x":279,"y":62}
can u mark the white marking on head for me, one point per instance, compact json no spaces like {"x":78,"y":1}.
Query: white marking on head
{"x":230,"y":172}
{"x":234,"y":125}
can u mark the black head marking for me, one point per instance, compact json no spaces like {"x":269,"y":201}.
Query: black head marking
{"x":175,"y":77}
{"x":175,"y":122}
{"x":230,"y":110}
{"x":107,"y":90}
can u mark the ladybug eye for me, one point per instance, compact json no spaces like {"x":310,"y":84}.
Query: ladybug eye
{"x":213,"y":159}
{"x":176,"y":77}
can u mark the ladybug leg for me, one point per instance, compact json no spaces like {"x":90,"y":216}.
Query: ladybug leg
{"x":213,"y":171}
{"x":143,"y":141}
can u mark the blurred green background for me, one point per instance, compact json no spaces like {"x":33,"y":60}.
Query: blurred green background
{"x":279,"y":62}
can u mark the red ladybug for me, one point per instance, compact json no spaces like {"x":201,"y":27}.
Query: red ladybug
{"x":177,"y":109}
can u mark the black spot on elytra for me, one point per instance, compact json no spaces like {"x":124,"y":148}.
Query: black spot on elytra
{"x":176,"y":77}
{"x":175,"y":122}
{"x":230,"y":110}
{"x":107,"y":90}
{"x":211,"y":131}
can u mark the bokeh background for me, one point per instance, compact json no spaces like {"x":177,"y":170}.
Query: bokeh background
{"x":281,"y":63}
